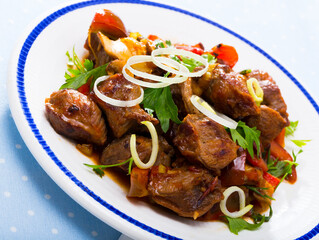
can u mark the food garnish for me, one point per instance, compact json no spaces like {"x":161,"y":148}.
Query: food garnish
{"x":243,"y":209}
{"x":155,"y":147}
{"x":206,"y":109}
{"x":255,"y":90}
{"x":78,"y":76}
{"x":116,"y":102}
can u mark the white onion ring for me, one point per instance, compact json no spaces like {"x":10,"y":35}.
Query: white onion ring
{"x":115,"y":102}
{"x":217,"y":117}
{"x":155,"y":147}
{"x":242,"y":208}
{"x":142,"y":83}
{"x":181,"y":52}
{"x":144,"y":58}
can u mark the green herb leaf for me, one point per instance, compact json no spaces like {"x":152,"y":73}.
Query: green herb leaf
{"x":257,"y":217}
{"x":161,"y":101}
{"x":210,"y":58}
{"x":279,"y":168}
{"x":295,"y":155}
{"x":238,"y":224}
{"x":159,"y":44}
{"x":246,"y":137}
{"x":291,"y":128}
{"x":98,"y":169}
{"x":76,"y":77}
{"x":257,"y":191}
{"x":190,"y":63}
{"x":300,"y":143}
{"x":168,"y":43}
{"x":244,"y":72}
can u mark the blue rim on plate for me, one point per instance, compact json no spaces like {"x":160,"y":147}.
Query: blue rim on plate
{"x":24,"y":104}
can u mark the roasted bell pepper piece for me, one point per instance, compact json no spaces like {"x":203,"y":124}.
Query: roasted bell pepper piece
{"x":226,"y":53}
{"x":257,"y":162}
{"x":280,"y":139}
{"x":85,"y":89}
{"x":109,"y":24}
{"x":194,"y":49}
{"x":279,"y":152}
{"x":271,"y":179}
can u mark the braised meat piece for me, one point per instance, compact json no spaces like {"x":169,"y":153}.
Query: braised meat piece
{"x":188,"y":191}
{"x":272,"y":94}
{"x":119,"y":151}
{"x":269,"y":122}
{"x":229,"y":94}
{"x":202,"y":140}
{"x":121,"y":119}
{"x":76,"y":116}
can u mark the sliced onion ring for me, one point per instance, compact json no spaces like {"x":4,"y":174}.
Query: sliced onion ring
{"x":255,"y":90}
{"x":142,"y":83}
{"x":116,"y":102}
{"x":242,"y":208}
{"x":155,"y":147}
{"x":180,"y":52}
{"x":217,"y":117}
{"x":144,"y":58}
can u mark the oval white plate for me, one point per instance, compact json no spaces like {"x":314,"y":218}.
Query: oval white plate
{"x":38,"y":67}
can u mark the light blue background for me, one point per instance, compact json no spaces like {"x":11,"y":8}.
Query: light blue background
{"x":32,"y":206}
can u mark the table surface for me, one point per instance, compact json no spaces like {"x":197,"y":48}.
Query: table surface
{"x":32,"y":205}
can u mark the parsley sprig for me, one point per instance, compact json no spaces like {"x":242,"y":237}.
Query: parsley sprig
{"x":290,"y":130}
{"x":78,"y":74}
{"x":161,"y":101}
{"x":246,"y":137}
{"x":238,"y":224}
{"x":98,"y":169}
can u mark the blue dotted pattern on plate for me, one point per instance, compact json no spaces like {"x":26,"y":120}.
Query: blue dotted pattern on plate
{"x":20,"y":84}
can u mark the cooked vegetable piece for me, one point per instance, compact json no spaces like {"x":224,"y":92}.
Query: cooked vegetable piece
{"x":226,"y":53}
{"x":107,"y":22}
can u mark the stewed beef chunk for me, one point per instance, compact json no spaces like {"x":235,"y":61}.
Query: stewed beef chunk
{"x":76,"y":116}
{"x":269,"y":122}
{"x":189,"y":191}
{"x":202,"y":140}
{"x":119,"y":151}
{"x":229,"y":94}
{"x":272,"y":94}
{"x":121,"y":119}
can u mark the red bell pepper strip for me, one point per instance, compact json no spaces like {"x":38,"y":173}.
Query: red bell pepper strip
{"x":280,"y":139}
{"x":194,"y":49}
{"x":153,"y":37}
{"x":109,"y":24}
{"x":257,"y":162}
{"x":279,"y":152}
{"x":85,"y":89}
{"x":226,"y":53}
{"x":271,"y":179}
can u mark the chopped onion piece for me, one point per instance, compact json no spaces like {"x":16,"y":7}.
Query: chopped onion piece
{"x":116,"y":102}
{"x":242,"y":208}
{"x":255,"y":90}
{"x":204,"y":108}
{"x":144,"y":58}
{"x":179,"y":52}
{"x":155,"y":147}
